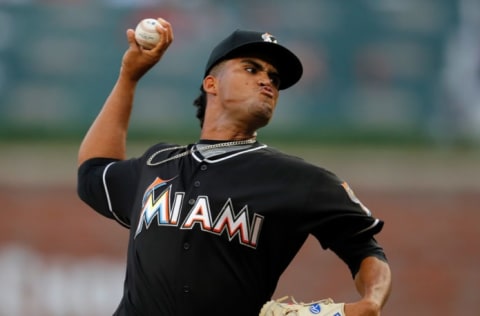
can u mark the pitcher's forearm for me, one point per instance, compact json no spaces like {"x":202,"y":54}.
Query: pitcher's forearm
{"x":107,"y":136}
{"x":373,"y":281}
{"x":108,"y":133}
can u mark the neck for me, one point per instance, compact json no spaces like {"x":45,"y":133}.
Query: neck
{"x":219,"y":125}
{"x":232,"y":136}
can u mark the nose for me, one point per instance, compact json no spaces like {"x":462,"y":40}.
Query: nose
{"x":264,"y":79}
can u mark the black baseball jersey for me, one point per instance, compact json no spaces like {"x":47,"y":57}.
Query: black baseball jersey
{"x":212,"y":236}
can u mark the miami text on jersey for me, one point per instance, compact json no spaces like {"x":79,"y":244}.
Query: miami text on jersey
{"x":156,"y":203}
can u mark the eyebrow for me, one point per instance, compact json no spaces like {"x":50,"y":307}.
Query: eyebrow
{"x":257,"y":65}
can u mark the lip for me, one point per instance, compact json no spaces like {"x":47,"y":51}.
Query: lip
{"x":267,"y":91}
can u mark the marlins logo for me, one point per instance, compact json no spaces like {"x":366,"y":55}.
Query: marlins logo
{"x":163,"y":206}
{"x":267,"y":37}
{"x":354,"y":198}
{"x":155,"y":206}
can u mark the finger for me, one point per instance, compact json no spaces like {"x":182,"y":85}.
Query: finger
{"x":131,"y":39}
{"x":166,"y":36}
{"x":165,"y":30}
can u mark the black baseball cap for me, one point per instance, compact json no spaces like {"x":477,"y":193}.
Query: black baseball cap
{"x":262,"y":45}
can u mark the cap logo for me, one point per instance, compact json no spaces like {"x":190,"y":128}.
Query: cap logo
{"x":267,"y":37}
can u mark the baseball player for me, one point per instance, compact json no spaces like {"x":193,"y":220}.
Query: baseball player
{"x":213,"y":224}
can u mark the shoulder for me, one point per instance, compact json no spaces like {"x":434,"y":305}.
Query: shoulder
{"x":275,"y":158}
{"x":161,"y":146}
{"x":159,"y":150}
{"x":274,"y":155}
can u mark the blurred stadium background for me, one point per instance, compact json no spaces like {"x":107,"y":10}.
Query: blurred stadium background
{"x":390,"y":101}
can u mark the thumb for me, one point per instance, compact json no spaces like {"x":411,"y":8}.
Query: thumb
{"x":131,"y":39}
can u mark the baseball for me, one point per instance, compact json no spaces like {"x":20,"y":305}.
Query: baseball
{"x":146,"y":34}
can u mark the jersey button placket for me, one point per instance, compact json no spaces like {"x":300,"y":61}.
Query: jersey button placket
{"x":187,"y":246}
{"x":186,"y":262}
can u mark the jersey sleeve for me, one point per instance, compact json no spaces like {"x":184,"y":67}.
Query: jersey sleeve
{"x":343,"y":215}
{"x":346,"y":226}
{"x":108,"y":186}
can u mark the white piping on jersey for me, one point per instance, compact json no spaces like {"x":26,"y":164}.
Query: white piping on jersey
{"x":209,"y":160}
{"x":194,"y":148}
{"x":109,"y":202}
{"x":375,"y":223}
{"x":212,"y":152}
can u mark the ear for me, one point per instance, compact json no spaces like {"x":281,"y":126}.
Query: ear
{"x":210,"y":84}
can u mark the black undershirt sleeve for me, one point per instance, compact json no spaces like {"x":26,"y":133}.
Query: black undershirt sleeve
{"x":354,"y":250}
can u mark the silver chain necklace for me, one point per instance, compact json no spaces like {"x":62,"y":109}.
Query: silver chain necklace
{"x":194,"y":149}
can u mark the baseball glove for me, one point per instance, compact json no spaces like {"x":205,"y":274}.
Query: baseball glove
{"x":326,"y":307}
